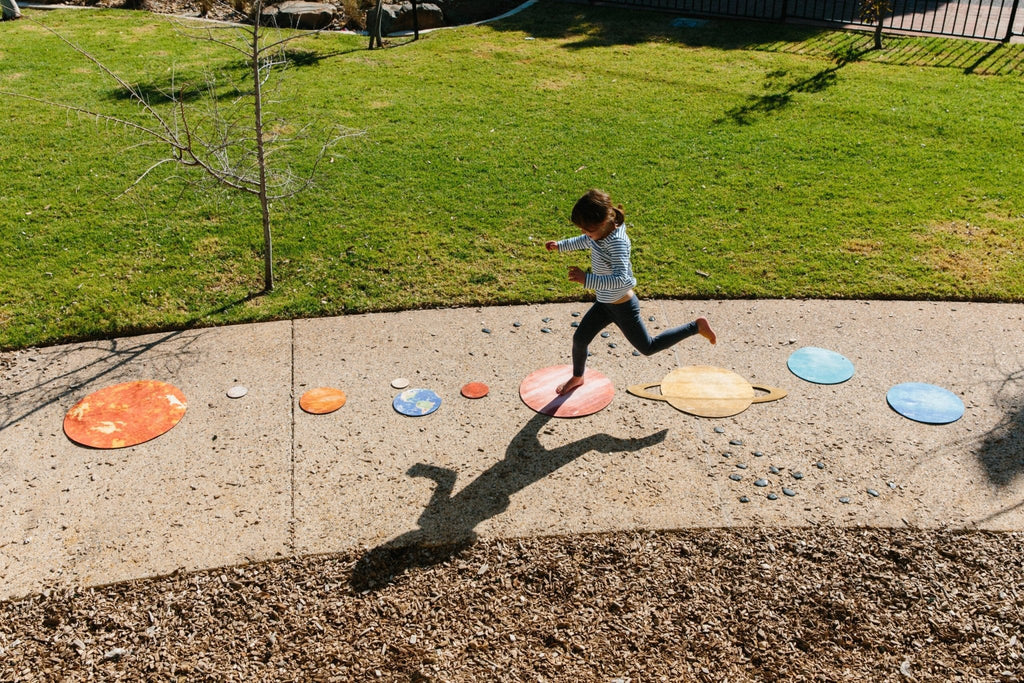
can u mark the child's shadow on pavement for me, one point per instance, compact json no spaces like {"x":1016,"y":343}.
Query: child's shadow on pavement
{"x":447,"y":525}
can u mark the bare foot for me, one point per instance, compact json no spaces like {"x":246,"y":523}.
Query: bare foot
{"x":704,"y":330}
{"x":573,"y":383}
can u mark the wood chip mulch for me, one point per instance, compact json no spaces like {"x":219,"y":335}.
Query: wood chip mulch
{"x":818,"y":604}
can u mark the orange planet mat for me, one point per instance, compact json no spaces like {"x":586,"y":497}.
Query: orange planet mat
{"x":322,"y":400}
{"x":538,"y":392}
{"x":125,"y":414}
{"x":475,"y":390}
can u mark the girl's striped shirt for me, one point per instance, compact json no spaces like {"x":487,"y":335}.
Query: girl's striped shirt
{"x":611,"y":272}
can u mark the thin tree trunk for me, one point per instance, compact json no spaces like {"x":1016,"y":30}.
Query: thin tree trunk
{"x":268,"y":248}
{"x":374,"y":28}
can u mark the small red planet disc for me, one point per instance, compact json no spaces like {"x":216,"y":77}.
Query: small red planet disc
{"x":322,"y":400}
{"x":475,"y":390}
{"x":125,"y":414}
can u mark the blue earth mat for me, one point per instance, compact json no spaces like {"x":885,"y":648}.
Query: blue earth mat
{"x":416,"y":402}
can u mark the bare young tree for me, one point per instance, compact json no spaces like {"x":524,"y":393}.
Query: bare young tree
{"x":230,"y":147}
{"x":873,"y":12}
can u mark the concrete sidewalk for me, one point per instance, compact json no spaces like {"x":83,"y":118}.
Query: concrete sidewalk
{"x":256,"y":478}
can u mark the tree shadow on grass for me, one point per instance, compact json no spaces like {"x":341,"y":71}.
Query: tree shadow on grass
{"x":447,"y":525}
{"x":781,"y":90}
{"x":186,"y":88}
{"x":582,"y":27}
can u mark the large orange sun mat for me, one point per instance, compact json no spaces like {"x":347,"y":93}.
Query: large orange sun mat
{"x":125,"y":414}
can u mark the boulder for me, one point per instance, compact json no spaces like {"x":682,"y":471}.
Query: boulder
{"x":10,"y":10}
{"x":307,"y":16}
{"x":396,"y":18}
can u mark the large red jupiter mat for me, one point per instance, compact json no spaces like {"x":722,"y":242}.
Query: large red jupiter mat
{"x":539,"y":391}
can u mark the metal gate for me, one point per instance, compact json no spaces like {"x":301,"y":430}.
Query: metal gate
{"x":983,"y":19}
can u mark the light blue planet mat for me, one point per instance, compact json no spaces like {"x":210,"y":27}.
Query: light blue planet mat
{"x":925,"y":403}
{"x":820,"y":366}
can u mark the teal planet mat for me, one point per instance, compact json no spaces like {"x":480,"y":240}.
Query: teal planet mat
{"x":820,"y":366}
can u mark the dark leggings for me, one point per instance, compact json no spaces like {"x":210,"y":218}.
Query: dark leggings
{"x":627,"y":317}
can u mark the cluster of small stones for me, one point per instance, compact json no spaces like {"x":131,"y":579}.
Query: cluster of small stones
{"x":763,"y":482}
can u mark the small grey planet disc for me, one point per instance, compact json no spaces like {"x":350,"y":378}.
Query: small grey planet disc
{"x":400,"y":383}
{"x":237,"y":391}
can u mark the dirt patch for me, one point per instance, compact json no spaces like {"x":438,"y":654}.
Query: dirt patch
{"x":861,"y":247}
{"x":739,"y":604}
{"x":963,"y":250}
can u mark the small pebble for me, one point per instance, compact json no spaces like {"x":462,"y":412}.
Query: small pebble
{"x":741,"y":465}
{"x":487,"y":330}
{"x":758,"y":454}
{"x":744,"y":499}
{"x":605,"y":335}
{"x":773,"y":469}
{"x":719,"y":430}
{"x":574,"y":324}
{"x":650,"y":319}
{"x":772,"y":496}
{"x":844,"y":499}
{"x":636,"y":353}
{"x":820,"y":465}
{"x":575,"y":314}
{"x":735,"y":442}
{"x":761,"y":483}
{"x":789,"y":492}
{"x":517,"y":324}
{"x":612,"y":345}
{"x":735,"y":477}
{"x":545,"y":320}
{"x":872,"y":492}
{"x":545,"y":330}
{"x":892,"y":485}
{"x":798,"y":475}
{"x":727,"y":454}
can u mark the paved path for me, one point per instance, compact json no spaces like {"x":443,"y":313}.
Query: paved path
{"x":256,"y":478}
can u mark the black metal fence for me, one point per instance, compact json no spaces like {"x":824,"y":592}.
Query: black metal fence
{"x":985,"y":19}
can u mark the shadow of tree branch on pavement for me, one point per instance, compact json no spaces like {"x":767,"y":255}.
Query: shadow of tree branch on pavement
{"x":87,"y":362}
{"x":1002,"y":450}
{"x":447,"y":525}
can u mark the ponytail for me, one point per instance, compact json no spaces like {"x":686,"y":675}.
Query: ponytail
{"x":620,"y":215}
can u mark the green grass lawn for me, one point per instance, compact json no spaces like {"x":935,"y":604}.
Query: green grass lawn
{"x":780,"y":161}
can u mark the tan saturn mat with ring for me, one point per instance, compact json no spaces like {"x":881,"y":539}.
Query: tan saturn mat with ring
{"x":707,"y":391}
